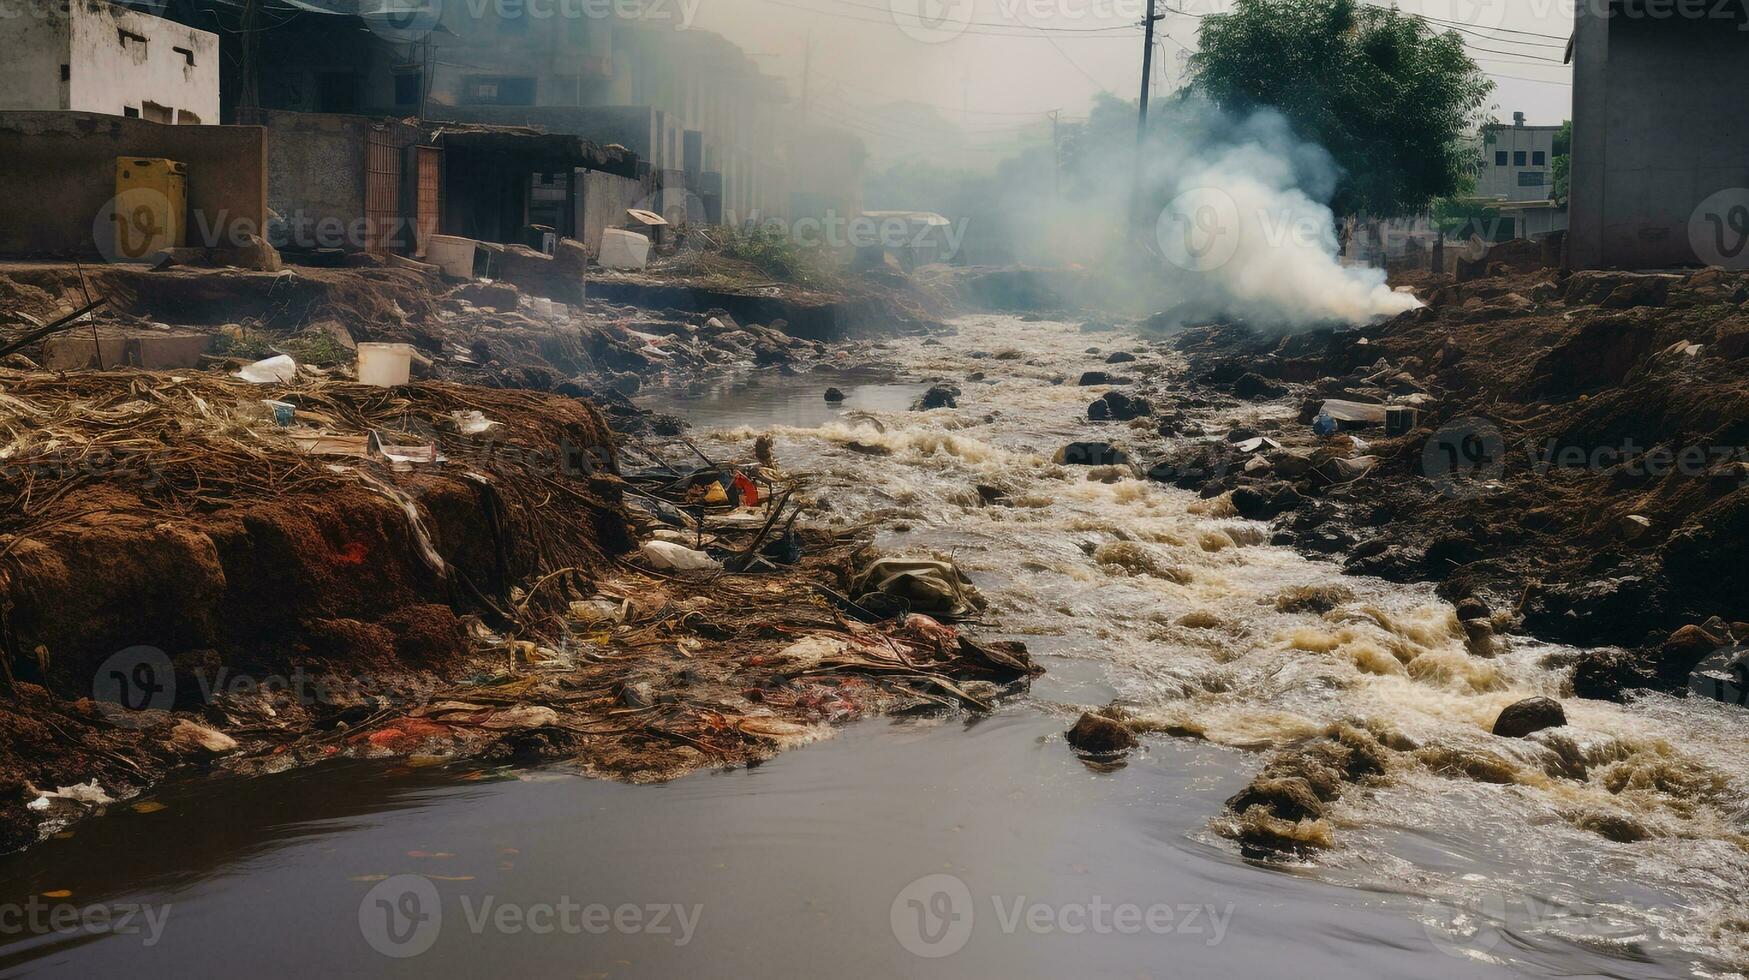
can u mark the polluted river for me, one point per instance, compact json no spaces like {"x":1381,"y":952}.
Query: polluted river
{"x":959,"y":843}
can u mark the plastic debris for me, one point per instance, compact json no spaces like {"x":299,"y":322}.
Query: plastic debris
{"x":274,"y":370}
{"x":673,"y":557}
{"x":925,"y":584}
{"x":472,"y":423}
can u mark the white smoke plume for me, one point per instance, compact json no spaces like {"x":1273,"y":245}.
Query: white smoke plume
{"x":1247,"y":232}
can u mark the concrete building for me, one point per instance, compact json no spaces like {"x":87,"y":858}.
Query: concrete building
{"x":1517,"y":179}
{"x":1517,"y":161}
{"x":94,"y":56}
{"x":688,"y":102}
{"x":1660,"y":136}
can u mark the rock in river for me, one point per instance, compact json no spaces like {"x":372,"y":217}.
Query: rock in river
{"x":1100,"y":735}
{"x":1530,"y":715}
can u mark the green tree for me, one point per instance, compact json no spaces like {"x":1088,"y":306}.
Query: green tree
{"x":1391,"y":99}
{"x":1561,"y":164}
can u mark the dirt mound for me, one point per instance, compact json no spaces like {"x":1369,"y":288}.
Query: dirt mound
{"x":1579,"y":454}
{"x":369,"y":302}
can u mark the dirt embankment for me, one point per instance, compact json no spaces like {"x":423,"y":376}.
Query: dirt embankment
{"x":1578,"y":466}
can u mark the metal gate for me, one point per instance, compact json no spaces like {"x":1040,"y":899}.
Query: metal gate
{"x":382,"y":191}
{"x":428,"y":163}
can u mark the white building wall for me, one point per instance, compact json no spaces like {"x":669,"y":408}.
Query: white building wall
{"x":172,"y":77}
{"x":34,"y":39}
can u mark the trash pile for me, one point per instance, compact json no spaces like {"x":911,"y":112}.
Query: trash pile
{"x":442,"y":570}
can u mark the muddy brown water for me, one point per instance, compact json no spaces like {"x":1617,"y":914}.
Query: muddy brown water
{"x":976,"y":846}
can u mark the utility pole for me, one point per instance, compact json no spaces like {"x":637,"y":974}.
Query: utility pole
{"x":1056,"y":159}
{"x":807,"y":71}
{"x":1142,"y":114}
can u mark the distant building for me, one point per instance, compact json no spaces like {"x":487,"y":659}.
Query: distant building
{"x":1517,"y":179}
{"x":94,"y":56}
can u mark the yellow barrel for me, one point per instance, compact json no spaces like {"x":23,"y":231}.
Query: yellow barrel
{"x":151,"y":206}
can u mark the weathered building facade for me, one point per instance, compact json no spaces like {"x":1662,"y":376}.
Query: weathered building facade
{"x":95,"y":56}
{"x":1660,"y":138}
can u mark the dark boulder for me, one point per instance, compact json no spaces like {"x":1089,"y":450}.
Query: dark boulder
{"x":938,"y":396}
{"x":1530,"y":715}
{"x":1099,"y":735}
{"x":834,"y":395}
{"x":1263,"y":501}
{"x":1091,"y":454}
{"x":1119,"y":407}
{"x":1119,"y":357}
{"x":1253,"y":386}
{"x":1101,"y":378}
{"x":1290,"y":798}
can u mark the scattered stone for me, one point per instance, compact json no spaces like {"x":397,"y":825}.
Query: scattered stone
{"x":1119,"y":357}
{"x":1099,"y":735}
{"x":1091,"y":454}
{"x":1530,"y":715}
{"x":1318,"y":599}
{"x":1101,"y":378}
{"x":190,"y":739}
{"x":1117,"y":406}
{"x":1290,"y":798}
{"x":1290,"y":465}
{"x":834,"y":395}
{"x":1471,"y":607}
{"x":1479,"y":637}
{"x":938,"y":396}
{"x":1264,"y":501}
{"x":499,"y":296}
{"x":1256,"y":387}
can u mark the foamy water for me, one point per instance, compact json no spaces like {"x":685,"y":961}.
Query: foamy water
{"x":1175,"y":599}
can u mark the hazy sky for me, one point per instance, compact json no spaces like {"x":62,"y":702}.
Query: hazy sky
{"x":987,"y":66}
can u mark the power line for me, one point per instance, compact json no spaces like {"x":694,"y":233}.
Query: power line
{"x":984,"y":23}
{"x":1085,"y":33}
{"x":1449,"y":25}
{"x":1454,"y":23}
{"x":843,"y":83}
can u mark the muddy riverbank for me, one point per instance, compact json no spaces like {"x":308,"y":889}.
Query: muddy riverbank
{"x":202,"y":571}
{"x":1572,"y":461}
{"x":1171,"y":613}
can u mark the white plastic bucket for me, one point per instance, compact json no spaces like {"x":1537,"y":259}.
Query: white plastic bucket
{"x":621,"y":249}
{"x":385,"y":365}
{"x":452,"y":254}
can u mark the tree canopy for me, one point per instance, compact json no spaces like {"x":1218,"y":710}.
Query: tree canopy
{"x":1389,"y":98}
